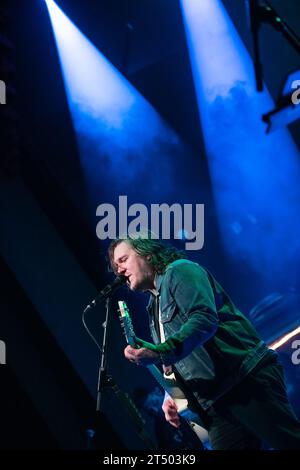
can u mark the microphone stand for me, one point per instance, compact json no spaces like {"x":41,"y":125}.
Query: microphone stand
{"x":255,"y":18}
{"x":280,"y":25}
{"x":105,"y":380}
{"x":265,"y":13}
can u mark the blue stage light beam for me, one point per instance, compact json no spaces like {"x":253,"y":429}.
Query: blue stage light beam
{"x":121,"y":138}
{"x":255,"y":176}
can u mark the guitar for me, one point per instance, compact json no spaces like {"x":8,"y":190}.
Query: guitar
{"x":167,"y":382}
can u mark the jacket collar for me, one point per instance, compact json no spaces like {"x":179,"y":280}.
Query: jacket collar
{"x":153,"y":293}
{"x":158,"y":281}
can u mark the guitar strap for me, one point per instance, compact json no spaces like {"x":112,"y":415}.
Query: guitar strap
{"x":157,"y":322}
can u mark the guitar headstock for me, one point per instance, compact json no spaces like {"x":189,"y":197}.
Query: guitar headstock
{"x":123,"y":309}
{"x":126,"y":323}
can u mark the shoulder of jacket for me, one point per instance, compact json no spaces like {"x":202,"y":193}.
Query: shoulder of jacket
{"x":179,"y":263}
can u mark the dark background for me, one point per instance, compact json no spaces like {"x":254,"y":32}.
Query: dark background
{"x":48,"y":385}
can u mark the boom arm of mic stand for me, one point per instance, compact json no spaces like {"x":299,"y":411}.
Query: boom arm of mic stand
{"x":271,"y":16}
{"x":259,"y":13}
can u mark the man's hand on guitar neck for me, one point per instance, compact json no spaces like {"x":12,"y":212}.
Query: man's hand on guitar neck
{"x":170,"y":409}
{"x":142,"y":356}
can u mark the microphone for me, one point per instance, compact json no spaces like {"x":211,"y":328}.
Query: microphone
{"x":106,"y":292}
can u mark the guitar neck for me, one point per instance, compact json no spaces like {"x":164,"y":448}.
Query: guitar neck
{"x":157,"y":375}
{"x":168,"y":384}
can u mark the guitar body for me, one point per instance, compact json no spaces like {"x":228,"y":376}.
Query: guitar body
{"x":167,"y":382}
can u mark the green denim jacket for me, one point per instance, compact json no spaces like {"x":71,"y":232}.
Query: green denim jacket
{"x":211,"y":343}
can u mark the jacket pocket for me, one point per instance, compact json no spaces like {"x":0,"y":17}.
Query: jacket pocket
{"x":168,"y":311}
